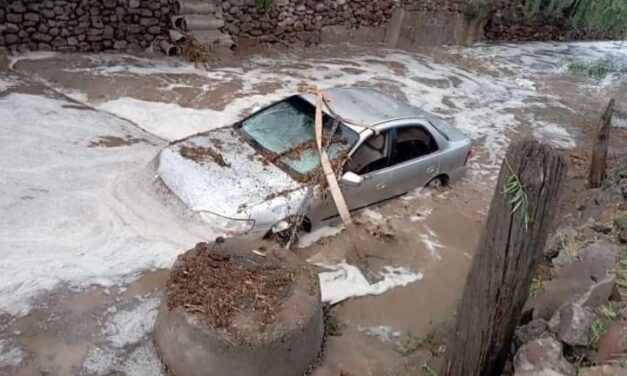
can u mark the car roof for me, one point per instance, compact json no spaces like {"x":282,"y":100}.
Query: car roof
{"x":367,"y":106}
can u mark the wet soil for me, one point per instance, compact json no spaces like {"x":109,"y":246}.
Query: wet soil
{"x":201,"y":154}
{"x":114,"y":141}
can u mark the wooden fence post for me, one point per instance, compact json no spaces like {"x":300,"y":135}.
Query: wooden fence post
{"x":524,"y":204}
{"x":599,"y":149}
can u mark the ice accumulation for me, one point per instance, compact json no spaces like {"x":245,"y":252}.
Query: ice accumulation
{"x":75,"y":214}
{"x":344,"y":281}
{"x":10,"y":356}
{"x":130,"y":326}
{"x":128,"y":348}
{"x":142,"y":361}
{"x":166,"y":120}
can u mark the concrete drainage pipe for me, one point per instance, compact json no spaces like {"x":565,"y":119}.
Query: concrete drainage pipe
{"x":178,"y":22}
{"x":169,"y":49}
{"x":177,"y":37}
{"x":202,"y":22}
{"x":228,"y":310}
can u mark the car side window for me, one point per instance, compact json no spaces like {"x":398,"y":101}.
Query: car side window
{"x":411,"y":143}
{"x":370,"y":156}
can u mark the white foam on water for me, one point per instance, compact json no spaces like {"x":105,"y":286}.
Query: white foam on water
{"x":554,"y":134}
{"x":73,"y":214}
{"x":33,"y":55}
{"x":70,"y":214}
{"x":308,"y":239}
{"x":383,"y":332}
{"x":430,"y":239}
{"x":344,"y":281}
{"x":7,"y":82}
{"x":372,"y":215}
{"x":142,"y":361}
{"x":167,"y":120}
{"x":10,"y":356}
{"x":132,"y":325}
{"x":480,"y":105}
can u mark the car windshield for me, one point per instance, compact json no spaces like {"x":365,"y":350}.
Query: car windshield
{"x":286,"y":129}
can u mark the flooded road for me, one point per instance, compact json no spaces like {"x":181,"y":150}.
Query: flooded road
{"x":88,"y":231}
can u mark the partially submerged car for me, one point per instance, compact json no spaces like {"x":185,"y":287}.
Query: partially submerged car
{"x":259,"y":175}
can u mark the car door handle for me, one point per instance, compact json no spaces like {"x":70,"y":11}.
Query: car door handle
{"x":380,"y":186}
{"x":431,"y":170}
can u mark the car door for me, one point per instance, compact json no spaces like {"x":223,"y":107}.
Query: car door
{"x":374,"y":187}
{"x":408,"y":158}
{"x":366,"y":160}
{"x":415,"y":158}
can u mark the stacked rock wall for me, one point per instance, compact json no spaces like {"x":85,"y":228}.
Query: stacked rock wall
{"x":301,"y":20}
{"x":82,"y":25}
{"x":456,"y":6}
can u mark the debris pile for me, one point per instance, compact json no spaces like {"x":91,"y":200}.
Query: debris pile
{"x":213,"y":285}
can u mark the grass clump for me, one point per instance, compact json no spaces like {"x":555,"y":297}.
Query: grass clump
{"x":409,"y":343}
{"x":517,"y":196}
{"x":332,"y":326}
{"x":596,"y":69}
{"x":478,"y":9}
{"x":263,"y":4}
{"x":604,"y":316}
{"x":427,"y":370}
{"x":602,"y":17}
{"x":567,"y":247}
{"x":536,"y":286}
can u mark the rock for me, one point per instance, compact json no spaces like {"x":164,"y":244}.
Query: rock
{"x":588,"y":276}
{"x":612,"y":343}
{"x":120,"y":44}
{"x":572,"y":324}
{"x":10,"y":28}
{"x":31,"y":17}
{"x":542,"y":357}
{"x":11,"y":39}
{"x":622,"y":236}
{"x":621,"y":223}
{"x":605,"y":370}
{"x":17,"y":6}
{"x":533,"y":330}
{"x":599,"y":293}
{"x":15,"y":18}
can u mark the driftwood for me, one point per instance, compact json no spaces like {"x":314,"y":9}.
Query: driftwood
{"x":599,"y":149}
{"x":511,"y":245}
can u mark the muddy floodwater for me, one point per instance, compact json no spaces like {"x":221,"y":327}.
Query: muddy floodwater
{"x":88,"y":231}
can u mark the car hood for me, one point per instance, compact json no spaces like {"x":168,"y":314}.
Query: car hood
{"x":219,"y":172}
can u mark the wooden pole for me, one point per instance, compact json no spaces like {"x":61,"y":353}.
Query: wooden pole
{"x":510,"y":246}
{"x":599,"y":150}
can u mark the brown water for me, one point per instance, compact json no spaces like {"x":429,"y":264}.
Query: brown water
{"x":58,"y":335}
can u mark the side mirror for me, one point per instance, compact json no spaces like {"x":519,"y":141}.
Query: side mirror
{"x":351,"y":179}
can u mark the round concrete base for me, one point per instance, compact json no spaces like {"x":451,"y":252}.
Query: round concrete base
{"x":285,"y":347}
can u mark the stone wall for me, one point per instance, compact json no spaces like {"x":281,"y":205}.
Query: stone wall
{"x":301,"y":20}
{"x":455,"y":6}
{"x":82,"y":25}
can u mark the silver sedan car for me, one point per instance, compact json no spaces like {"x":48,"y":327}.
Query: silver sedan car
{"x":257,"y":176}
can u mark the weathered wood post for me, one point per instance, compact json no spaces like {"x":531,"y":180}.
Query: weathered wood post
{"x":599,"y":149}
{"x":511,"y":244}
